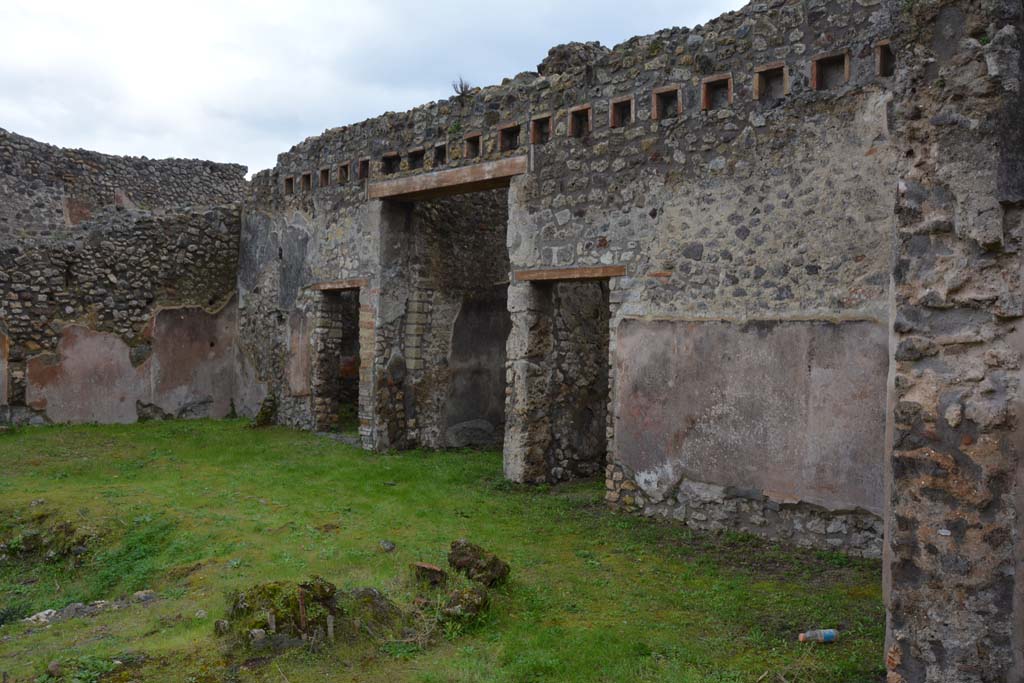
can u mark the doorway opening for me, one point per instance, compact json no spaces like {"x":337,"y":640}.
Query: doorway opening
{"x":579,"y":391}
{"x":458,"y":319}
{"x":336,"y":375}
{"x":441,"y":339}
{"x":559,"y":369}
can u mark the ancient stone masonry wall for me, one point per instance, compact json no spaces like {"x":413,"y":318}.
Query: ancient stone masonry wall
{"x":740,"y":184}
{"x":116,"y":284}
{"x":744,"y":210}
{"x":288,"y":244}
{"x":954,"y":552}
{"x":49,"y":191}
{"x":111,"y":280}
{"x":739,"y":171}
{"x":741,"y":260}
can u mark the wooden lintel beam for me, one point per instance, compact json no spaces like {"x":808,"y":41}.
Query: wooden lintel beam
{"x":353,"y":283}
{"x":472,"y":178}
{"x":554,"y":274}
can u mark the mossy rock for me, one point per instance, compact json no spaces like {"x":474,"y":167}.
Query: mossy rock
{"x":303,"y":612}
{"x":38,"y":540}
{"x":478,"y":564}
{"x":465,"y":605}
{"x":369,"y":614}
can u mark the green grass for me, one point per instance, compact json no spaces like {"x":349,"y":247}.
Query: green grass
{"x":195,"y":509}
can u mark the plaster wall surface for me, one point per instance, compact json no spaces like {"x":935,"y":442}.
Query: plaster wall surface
{"x":92,"y":376}
{"x":789,"y":409}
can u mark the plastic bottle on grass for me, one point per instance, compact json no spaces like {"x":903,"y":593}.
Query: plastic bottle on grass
{"x":819,"y":635}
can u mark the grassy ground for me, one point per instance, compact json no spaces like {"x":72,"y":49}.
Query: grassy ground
{"x":194,"y":509}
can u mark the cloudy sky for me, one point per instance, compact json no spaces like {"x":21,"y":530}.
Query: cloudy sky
{"x":241,"y":80}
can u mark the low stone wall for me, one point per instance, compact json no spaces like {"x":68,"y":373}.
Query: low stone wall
{"x":710,"y":507}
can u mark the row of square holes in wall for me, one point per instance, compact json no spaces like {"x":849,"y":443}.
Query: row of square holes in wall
{"x":771,"y":82}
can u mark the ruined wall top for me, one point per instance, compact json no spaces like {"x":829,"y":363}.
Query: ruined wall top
{"x":737,"y":70}
{"x":48,"y":190}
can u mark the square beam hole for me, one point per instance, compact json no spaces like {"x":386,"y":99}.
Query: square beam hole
{"x":621,"y":112}
{"x":472,"y":150}
{"x":885,"y":60}
{"x":716,"y":92}
{"x":540,"y":130}
{"x":440,"y":155}
{"x":830,"y":71}
{"x":666,"y":103}
{"x":579,"y":122}
{"x":307,"y":182}
{"x":364,"y":169}
{"x":771,"y":82}
{"x":390,"y":163}
{"x":416,"y":158}
{"x":289,"y":185}
{"x":325,"y":177}
{"x":508,"y":138}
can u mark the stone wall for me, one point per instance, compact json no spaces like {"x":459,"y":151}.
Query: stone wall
{"x":49,"y":191}
{"x":775,"y":209}
{"x":130,"y":314}
{"x":954,"y":552}
{"x":289,"y":244}
{"x":751,"y":252}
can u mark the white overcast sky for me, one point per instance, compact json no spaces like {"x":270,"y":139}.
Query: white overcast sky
{"x":244,"y":80}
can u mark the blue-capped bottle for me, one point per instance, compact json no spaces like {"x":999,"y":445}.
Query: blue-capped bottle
{"x":820,"y":635}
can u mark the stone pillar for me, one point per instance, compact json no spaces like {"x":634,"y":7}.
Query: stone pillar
{"x":367,"y":353}
{"x":529,"y":349}
{"x":389,"y":296}
{"x":954,"y":547}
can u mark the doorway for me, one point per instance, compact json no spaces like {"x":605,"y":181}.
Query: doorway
{"x":337,"y":369}
{"x":444,"y":320}
{"x":560,"y":377}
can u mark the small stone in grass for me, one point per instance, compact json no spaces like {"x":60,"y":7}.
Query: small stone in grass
{"x":387,"y":546}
